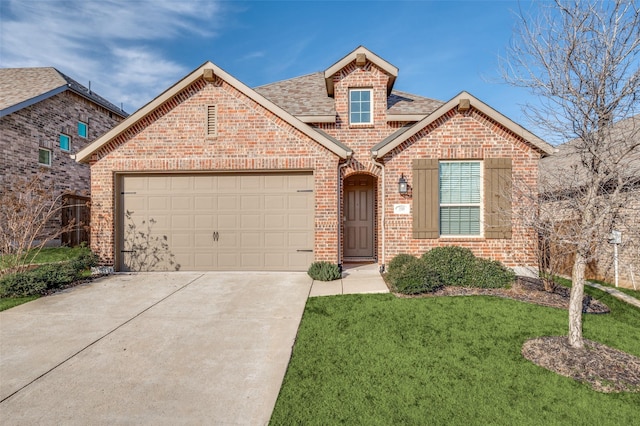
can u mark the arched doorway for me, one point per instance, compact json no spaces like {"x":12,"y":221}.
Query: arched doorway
{"x":359,"y":218}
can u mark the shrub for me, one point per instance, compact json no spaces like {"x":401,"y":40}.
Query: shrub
{"x":21,"y":285}
{"x":416,"y":277}
{"x":455,"y":265}
{"x":397,"y":266}
{"x":85,"y":260}
{"x":324,"y":271}
{"x":46,"y":277}
{"x":491,"y":274}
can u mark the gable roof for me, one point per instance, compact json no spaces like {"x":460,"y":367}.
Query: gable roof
{"x":306,"y":98}
{"x":404,"y":133}
{"x":385,"y":66}
{"x":23,"y":87}
{"x":331,"y":144}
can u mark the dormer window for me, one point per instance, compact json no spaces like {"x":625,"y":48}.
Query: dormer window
{"x":360,"y":106}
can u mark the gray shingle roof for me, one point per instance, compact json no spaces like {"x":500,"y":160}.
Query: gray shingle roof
{"x":563,"y":169}
{"x":21,"y":87}
{"x":307,"y":96}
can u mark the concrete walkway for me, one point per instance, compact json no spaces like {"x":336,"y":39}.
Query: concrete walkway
{"x":356,"y":278}
{"x":616,"y":293}
{"x":156,"y":348}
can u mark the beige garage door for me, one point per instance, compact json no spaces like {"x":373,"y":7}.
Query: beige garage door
{"x":216,"y":222}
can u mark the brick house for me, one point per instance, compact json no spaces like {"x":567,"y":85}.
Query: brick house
{"x":310,"y":168}
{"x":562,"y":185}
{"x":45,"y":118}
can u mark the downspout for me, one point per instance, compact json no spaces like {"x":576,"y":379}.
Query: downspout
{"x":376,"y":162}
{"x":340,"y":215}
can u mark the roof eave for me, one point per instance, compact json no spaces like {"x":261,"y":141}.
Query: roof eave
{"x":544,"y":147}
{"x":20,"y":105}
{"x":317,"y":118}
{"x":404,"y":117}
{"x":84,"y":156}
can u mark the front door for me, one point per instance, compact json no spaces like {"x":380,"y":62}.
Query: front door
{"x":359,"y":212}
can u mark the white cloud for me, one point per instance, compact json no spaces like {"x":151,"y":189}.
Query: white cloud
{"x":117,"y":44}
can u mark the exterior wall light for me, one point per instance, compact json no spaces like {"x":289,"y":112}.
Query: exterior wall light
{"x":403,"y":186}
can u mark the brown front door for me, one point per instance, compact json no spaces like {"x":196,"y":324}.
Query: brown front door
{"x":359,"y":211}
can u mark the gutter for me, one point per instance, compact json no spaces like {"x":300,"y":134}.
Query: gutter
{"x":381,"y":260}
{"x":340,"y":215}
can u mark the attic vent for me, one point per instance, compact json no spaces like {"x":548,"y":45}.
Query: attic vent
{"x":361,"y":59}
{"x":212,"y":120}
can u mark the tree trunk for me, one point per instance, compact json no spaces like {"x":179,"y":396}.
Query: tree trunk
{"x":575,"y":302}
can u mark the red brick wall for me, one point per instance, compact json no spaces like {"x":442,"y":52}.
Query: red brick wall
{"x":252,"y":138}
{"x":469,"y":135}
{"x":461,"y":136}
{"x":249,"y":138}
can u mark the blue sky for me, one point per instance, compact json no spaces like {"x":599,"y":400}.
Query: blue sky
{"x":132,"y":50}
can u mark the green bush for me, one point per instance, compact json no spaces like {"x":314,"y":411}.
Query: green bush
{"x":324,"y":271}
{"x":85,"y":260}
{"x":416,"y":277}
{"x":46,"y":277}
{"x":398,"y":262}
{"x":21,"y":285}
{"x":492,"y":274}
{"x":455,"y":265}
{"x":397,"y":266}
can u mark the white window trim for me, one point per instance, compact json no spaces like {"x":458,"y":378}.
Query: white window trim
{"x":50,"y":157}
{"x":361,"y":89}
{"x":480,"y":204}
{"x":86,"y":125}
{"x":60,"y":146}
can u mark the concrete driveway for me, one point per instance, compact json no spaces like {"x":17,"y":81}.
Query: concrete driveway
{"x":156,"y":348}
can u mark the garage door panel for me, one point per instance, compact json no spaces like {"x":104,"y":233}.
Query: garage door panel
{"x":228,"y":203}
{"x":204,"y":203}
{"x":251,"y":221}
{"x":299,"y":240}
{"x":181,"y":203}
{"x":299,"y":221}
{"x":275,"y":221}
{"x":225,"y":221}
{"x":275,"y":240}
{"x":275,"y":202}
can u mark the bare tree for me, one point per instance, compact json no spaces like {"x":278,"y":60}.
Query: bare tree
{"x":29,"y":208}
{"x":581,"y":59}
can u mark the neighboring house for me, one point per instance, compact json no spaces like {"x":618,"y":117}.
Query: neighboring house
{"x":306,"y":169}
{"x":563,"y":183}
{"x":45,"y":118}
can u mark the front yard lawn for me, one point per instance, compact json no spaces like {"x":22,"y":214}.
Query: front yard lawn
{"x":382,"y":360}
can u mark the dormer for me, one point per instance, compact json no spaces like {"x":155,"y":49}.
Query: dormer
{"x":360,"y":56}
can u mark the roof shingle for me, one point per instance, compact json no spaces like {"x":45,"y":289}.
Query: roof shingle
{"x":19,"y":86}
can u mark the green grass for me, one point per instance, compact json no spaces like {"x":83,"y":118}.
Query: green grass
{"x":381,"y":360}
{"x":50,"y":255}
{"x":10,"y":302}
{"x":631,"y":292}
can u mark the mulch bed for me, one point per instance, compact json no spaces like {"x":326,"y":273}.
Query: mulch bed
{"x":525,"y":289}
{"x":605,"y":369}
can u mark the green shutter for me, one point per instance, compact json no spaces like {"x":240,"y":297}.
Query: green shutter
{"x":425,"y":198}
{"x":497,"y":190}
